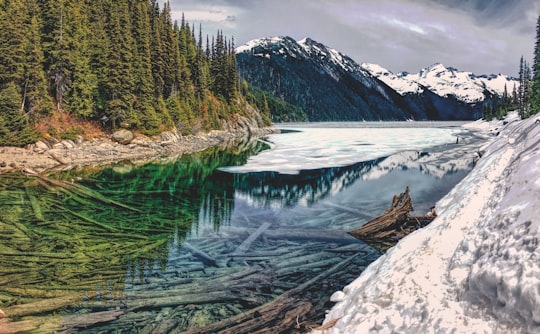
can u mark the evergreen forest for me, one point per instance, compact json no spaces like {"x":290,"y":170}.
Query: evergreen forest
{"x":526,"y":97}
{"x":115,"y":64}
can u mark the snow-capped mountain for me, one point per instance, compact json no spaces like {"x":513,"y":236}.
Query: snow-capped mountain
{"x":330,"y":86}
{"x":326,"y":84}
{"x":445,"y":81}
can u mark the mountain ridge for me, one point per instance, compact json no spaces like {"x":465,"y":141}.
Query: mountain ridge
{"x":294,"y":70}
{"x":443,"y":81}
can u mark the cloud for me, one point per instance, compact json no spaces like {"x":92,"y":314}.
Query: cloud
{"x":482,"y":36}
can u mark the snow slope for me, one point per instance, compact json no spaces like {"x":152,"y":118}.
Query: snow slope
{"x":444,"y":81}
{"x":475,"y":268}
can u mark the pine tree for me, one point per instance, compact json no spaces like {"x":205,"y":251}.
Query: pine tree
{"x":122,"y":62}
{"x":515,"y":98}
{"x":13,"y":16}
{"x":83,"y":82}
{"x":36,"y":100}
{"x":535,"y":89}
{"x":527,"y":90}
{"x":144,"y":83}
{"x":521,"y":86}
{"x":120,"y":81}
{"x":158,"y":63}
{"x":523,"y":94}
{"x":14,"y":128}
{"x":99,"y":47}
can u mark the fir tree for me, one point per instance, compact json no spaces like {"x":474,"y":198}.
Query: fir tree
{"x":13,"y":16}
{"x":535,"y":89}
{"x":14,"y":128}
{"x":83,"y":82}
{"x":148,"y":120}
{"x":121,"y":62}
{"x":120,"y":81}
{"x":36,"y":100}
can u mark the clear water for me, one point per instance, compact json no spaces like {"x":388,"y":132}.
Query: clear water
{"x":201,"y":238}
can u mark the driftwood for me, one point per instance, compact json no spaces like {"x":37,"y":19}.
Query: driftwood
{"x":393,"y":224}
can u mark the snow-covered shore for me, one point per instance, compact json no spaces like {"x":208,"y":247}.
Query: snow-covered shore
{"x":476,"y":268}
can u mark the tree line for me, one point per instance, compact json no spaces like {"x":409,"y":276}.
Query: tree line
{"x":526,"y":97}
{"x":121,"y":63}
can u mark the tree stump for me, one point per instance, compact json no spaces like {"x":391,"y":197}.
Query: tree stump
{"x":393,"y":224}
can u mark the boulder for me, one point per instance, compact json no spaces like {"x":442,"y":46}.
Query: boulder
{"x":123,"y":136}
{"x":69,"y":144}
{"x":40,"y":147}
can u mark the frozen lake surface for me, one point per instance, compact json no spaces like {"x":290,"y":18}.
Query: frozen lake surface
{"x":320,"y":145}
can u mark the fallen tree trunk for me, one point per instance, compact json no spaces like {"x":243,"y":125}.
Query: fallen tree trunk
{"x":282,"y":312}
{"x":393,"y":224}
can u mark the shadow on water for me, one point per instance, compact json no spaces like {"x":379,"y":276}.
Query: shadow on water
{"x":181,"y":245}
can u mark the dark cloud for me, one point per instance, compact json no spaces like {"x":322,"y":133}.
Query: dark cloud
{"x":483,"y":36}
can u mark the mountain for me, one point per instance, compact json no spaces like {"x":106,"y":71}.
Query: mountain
{"x":444,"y":81}
{"x":325,"y":84}
{"x":329,"y":86}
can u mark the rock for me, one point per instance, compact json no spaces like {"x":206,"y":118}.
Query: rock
{"x":123,"y":136}
{"x":69,"y":144}
{"x":58,"y":146}
{"x":41,"y":147}
{"x":124,"y":169}
{"x":3,"y":164}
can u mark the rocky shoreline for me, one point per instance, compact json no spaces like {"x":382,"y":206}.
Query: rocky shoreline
{"x":51,"y":154}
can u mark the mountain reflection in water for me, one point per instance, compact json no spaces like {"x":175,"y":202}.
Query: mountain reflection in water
{"x":186,"y":244}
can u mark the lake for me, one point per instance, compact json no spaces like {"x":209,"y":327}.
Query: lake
{"x":247,"y":236}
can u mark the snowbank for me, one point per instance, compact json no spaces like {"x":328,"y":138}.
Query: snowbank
{"x":476,"y":268}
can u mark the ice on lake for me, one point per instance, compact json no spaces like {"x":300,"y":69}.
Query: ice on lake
{"x":322,"y":145}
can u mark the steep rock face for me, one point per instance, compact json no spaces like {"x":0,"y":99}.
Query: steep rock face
{"x":325,"y":84}
{"x":329,"y":86}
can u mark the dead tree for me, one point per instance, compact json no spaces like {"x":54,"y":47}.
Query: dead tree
{"x":393,"y":224}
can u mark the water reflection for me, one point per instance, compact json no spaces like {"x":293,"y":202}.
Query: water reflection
{"x":184,"y":233}
{"x":311,"y":186}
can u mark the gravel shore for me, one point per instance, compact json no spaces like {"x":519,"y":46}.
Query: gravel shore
{"x":48,"y":155}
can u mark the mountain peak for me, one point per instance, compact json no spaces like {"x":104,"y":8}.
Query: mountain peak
{"x":435,"y":69}
{"x":445,"y":81}
{"x":264,"y":42}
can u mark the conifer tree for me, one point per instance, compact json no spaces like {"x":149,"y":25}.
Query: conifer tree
{"x":142,"y":66}
{"x":99,"y":47}
{"x":115,"y":61}
{"x":83,"y":82}
{"x":12,"y":42}
{"x":158,"y":63}
{"x":35,"y":100}
{"x":14,"y":129}
{"x":523,"y":94}
{"x":120,"y":81}
{"x":535,"y":89}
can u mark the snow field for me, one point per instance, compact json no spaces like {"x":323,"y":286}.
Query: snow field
{"x":475,"y":269}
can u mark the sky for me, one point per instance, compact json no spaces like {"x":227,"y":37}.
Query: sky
{"x":480,"y":36}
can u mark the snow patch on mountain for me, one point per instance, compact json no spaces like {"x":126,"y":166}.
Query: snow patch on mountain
{"x":445,"y":81}
{"x":308,"y":48}
{"x":476,"y":267}
{"x":397,"y":83}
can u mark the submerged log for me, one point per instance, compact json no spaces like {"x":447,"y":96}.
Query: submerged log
{"x":393,"y":224}
{"x":244,"y":246}
{"x":275,"y":316}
